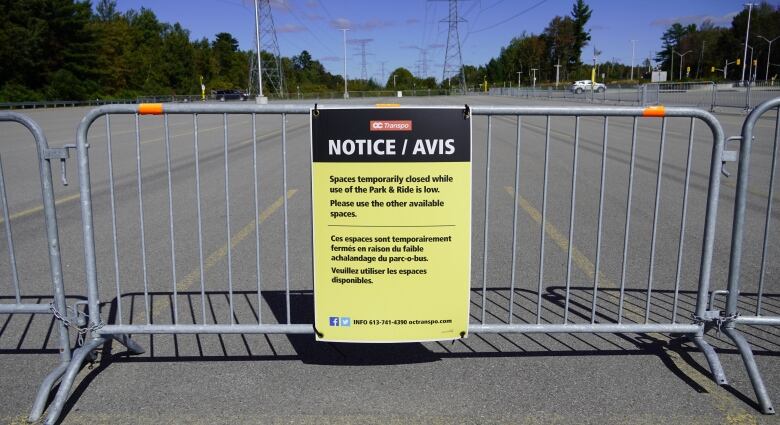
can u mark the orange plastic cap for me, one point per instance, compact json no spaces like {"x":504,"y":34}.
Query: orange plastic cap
{"x":150,"y":108}
{"x":654,"y":111}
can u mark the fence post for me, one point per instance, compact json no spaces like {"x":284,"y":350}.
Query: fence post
{"x":714,"y":96}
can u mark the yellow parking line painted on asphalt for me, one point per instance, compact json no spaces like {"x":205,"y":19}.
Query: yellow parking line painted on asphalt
{"x":735,"y":414}
{"x":65,"y":199}
{"x":39,"y":208}
{"x":218,"y":255}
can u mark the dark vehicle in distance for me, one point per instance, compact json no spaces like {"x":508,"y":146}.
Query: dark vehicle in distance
{"x":223,"y":95}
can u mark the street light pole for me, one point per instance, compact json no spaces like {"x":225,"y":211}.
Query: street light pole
{"x":747,"y":34}
{"x":681,"y":60}
{"x":671,"y":66}
{"x":518,"y":78}
{"x":768,"y":55}
{"x":346,"y":93}
{"x":534,"y":82}
{"x":633,"y":48}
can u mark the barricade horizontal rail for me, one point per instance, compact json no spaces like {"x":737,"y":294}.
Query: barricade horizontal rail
{"x":56,"y":308}
{"x":735,"y":312}
{"x":224,"y":154}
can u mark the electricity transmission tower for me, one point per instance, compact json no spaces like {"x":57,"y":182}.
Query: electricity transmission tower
{"x":271,"y":67}
{"x":362,"y":43}
{"x":382,"y":75}
{"x":422,"y":68}
{"x":453,"y":60}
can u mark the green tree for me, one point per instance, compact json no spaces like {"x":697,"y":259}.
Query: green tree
{"x":580,"y":13}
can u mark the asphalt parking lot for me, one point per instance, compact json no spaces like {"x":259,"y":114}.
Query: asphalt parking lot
{"x":504,"y":378}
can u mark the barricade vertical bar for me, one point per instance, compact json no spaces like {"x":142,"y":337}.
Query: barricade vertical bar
{"x":682,"y":224}
{"x":286,"y":232}
{"x":200,"y":220}
{"x":571,"y":218}
{"x":598,"y":226}
{"x":9,"y":237}
{"x":141,"y":218}
{"x":768,"y":219}
{"x":514,"y":223}
{"x":651,"y":268}
{"x":487,"y":214}
{"x":170,"y":218}
{"x":627,"y":229}
{"x":227,"y":220}
{"x":115,"y":242}
{"x":257,"y":219}
{"x":544,"y":224}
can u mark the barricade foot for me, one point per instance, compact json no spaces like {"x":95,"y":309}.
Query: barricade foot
{"x":132,"y":346}
{"x":752,"y":370}
{"x":712,"y":359}
{"x":70,"y":375}
{"x":44,"y":390}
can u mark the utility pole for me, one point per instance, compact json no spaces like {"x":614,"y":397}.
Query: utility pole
{"x":557,"y":72}
{"x":701,"y":55}
{"x":534,"y":78}
{"x":671,"y":67}
{"x":747,"y":36}
{"x":346,"y":93}
{"x":452,"y":54}
{"x":633,"y":47}
{"x":518,"y":78}
{"x":768,"y":54}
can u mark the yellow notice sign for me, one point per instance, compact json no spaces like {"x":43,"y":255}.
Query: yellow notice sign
{"x":391,"y":202}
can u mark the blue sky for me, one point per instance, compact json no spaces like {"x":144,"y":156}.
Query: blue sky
{"x":399,"y":29}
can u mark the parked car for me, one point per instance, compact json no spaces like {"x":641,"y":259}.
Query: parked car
{"x":587,"y":85}
{"x":223,"y":95}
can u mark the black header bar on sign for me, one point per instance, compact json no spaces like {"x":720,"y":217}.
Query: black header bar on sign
{"x":391,"y":135}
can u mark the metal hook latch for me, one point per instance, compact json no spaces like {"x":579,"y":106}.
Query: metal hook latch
{"x":728,"y":156}
{"x":61,"y":153}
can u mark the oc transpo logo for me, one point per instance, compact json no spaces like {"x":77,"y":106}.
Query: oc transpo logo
{"x":390,"y":125}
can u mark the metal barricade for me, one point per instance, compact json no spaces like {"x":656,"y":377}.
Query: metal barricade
{"x":22,"y":303}
{"x":586,"y":299}
{"x":748,"y":308}
{"x":699,"y":94}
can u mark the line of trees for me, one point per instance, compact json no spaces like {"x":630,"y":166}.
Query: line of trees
{"x":560,"y":45}
{"x":563,"y":40}
{"x":63,"y":49}
{"x":712,"y":46}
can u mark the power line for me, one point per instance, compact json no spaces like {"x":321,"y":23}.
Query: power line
{"x":522,"y":12}
{"x":319,"y":40}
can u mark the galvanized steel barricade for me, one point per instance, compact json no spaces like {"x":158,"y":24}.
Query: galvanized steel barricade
{"x":742,"y":308}
{"x":516,"y":305}
{"x":25,"y":303}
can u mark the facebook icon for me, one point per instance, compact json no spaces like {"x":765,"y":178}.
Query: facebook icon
{"x":334,"y":321}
